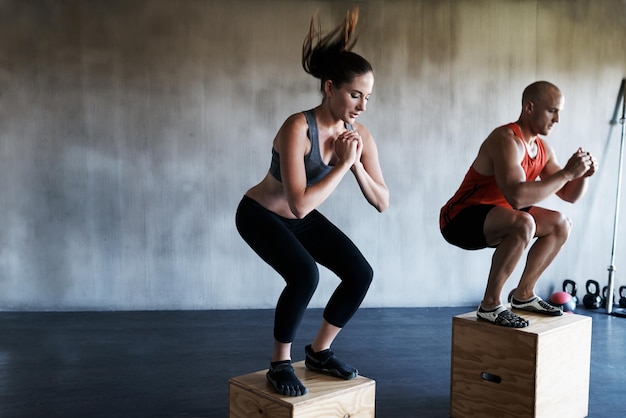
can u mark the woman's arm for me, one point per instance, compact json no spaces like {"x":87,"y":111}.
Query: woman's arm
{"x":291,"y":143}
{"x":367,"y":170}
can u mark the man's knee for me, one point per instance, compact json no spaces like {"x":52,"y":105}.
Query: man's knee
{"x":552,"y":223}
{"x":563,"y":226}
{"x":525,"y":226}
{"x":514,"y":226}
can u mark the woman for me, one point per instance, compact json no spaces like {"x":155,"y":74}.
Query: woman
{"x":311,"y":153}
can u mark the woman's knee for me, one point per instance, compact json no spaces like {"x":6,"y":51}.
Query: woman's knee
{"x":303,"y":280}
{"x":368,"y":275}
{"x":360,"y":276}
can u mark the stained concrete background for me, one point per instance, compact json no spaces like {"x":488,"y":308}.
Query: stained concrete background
{"x":129,"y":130}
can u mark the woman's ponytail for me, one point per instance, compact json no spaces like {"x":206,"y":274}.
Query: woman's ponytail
{"x":329,"y":57}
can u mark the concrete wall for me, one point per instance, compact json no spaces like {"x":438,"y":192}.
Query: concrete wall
{"x":129,"y":130}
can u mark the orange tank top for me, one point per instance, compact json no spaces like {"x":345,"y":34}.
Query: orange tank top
{"x":478,"y":189}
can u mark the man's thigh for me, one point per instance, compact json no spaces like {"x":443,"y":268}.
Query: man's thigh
{"x":466,"y":229}
{"x":501,"y":221}
{"x":546,"y":220}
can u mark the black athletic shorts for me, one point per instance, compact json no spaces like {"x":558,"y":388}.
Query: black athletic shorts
{"x":465,"y":230}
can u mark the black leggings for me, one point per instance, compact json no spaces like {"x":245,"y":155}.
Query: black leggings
{"x":292,"y":247}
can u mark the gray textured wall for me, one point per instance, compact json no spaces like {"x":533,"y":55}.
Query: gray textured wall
{"x":130,"y":129}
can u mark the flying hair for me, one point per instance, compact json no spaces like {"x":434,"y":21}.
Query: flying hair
{"x":328,"y":56}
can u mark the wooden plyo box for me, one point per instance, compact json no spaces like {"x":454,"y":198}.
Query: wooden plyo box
{"x":538,"y":371}
{"x":251,"y":396}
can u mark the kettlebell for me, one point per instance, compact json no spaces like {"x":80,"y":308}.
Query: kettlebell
{"x":605,"y":294}
{"x":622,"y":296}
{"x":567,"y":283}
{"x":592,"y":300}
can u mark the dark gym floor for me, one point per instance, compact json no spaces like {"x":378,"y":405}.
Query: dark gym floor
{"x":177,"y":363}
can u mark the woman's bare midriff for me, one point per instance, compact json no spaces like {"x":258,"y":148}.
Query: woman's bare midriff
{"x":270,"y":194}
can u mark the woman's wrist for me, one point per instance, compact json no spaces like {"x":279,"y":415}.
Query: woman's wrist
{"x":356,"y":166}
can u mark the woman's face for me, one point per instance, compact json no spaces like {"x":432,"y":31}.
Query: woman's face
{"x":350,"y":100}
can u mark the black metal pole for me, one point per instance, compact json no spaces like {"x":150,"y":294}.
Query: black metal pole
{"x":621,"y":99}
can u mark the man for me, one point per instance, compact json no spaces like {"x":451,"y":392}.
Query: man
{"x":495,"y":204}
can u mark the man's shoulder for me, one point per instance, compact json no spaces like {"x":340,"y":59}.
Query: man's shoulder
{"x":502,"y":136}
{"x":502,"y":145}
{"x":504,"y":131}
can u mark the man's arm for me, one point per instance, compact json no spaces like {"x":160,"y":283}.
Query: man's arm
{"x":506,"y":152}
{"x":575,"y":188}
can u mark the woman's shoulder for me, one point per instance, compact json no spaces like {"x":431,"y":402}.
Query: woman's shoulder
{"x":293,"y":130}
{"x":358,"y":126}
{"x":362,"y":130}
{"x":295,"y":121}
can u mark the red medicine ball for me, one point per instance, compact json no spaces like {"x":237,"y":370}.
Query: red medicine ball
{"x":564,"y":300}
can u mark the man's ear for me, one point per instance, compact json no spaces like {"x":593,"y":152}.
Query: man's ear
{"x":529,"y":106}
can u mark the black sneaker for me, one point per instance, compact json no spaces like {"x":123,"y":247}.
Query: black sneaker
{"x":502,"y":316}
{"x":285,"y":381}
{"x":326,"y":362}
{"x":537,"y":305}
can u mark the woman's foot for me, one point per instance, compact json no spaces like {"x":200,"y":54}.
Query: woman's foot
{"x":283,"y":377}
{"x":325,"y":361}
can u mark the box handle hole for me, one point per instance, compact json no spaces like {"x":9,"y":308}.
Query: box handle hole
{"x":491,"y":377}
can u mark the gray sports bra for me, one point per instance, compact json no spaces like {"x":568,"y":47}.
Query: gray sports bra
{"x":315,"y":168}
